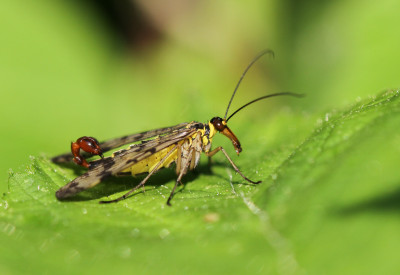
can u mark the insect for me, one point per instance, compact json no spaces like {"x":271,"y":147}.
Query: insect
{"x":181,"y":144}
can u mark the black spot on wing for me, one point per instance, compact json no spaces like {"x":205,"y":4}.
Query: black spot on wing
{"x":73,"y":184}
{"x":109,"y":163}
{"x":104,"y":175}
{"x":93,"y":164}
{"x":70,"y":189}
{"x":116,"y":153}
{"x":124,"y":137}
{"x":131,"y":161}
{"x":106,"y":162}
{"x":142,"y":156}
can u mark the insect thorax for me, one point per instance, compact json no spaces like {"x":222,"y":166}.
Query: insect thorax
{"x":186,"y":152}
{"x":207,"y":132}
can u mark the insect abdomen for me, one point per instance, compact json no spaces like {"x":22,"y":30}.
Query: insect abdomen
{"x":146,"y":165}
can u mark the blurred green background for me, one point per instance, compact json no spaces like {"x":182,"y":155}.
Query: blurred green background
{"x":111,"y":68}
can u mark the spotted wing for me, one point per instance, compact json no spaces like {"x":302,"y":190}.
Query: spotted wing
{"x":120,"y":161}
{"x":118,"y":142}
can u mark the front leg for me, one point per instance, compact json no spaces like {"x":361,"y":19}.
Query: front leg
{"x":209,"y":159}
{"x":216,"y":150}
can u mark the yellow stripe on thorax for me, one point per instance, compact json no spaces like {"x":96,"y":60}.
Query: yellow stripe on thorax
{"x":148,"y":164}
{"x":208,"y":139}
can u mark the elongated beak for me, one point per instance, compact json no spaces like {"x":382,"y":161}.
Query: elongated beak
{"x":229,"y":134}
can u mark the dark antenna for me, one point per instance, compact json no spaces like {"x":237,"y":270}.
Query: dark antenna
{"x":263,"y":97}
{"x":244,"y":73}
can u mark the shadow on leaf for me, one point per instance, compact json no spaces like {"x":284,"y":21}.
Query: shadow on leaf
{"x":119,"y":184}
{"x":389,"y":202}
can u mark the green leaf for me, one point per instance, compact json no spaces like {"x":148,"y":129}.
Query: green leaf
{"x":328,"y":204}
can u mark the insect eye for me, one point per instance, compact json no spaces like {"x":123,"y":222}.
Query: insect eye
{"x":217,"y":122}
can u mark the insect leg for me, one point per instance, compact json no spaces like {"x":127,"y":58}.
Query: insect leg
{"x":209,"y":161}
{"x":178,"y":160}
{"x":216,"y":150}
{"x":178,"y":180}
{"x":145,"y":179}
